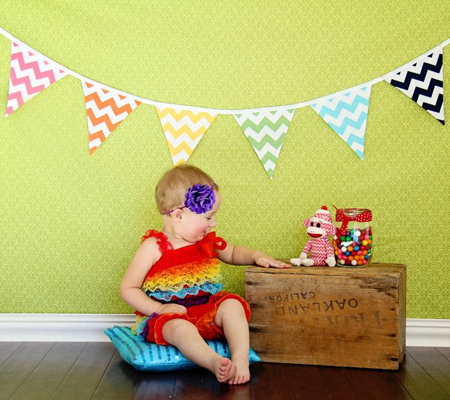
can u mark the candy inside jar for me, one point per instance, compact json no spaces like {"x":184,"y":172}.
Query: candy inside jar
{"x":353,"y":241}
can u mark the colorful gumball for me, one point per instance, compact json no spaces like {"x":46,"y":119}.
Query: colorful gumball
{"x":354,"y":241}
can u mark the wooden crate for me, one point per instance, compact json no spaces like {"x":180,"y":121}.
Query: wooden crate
{"x":349,"y":317}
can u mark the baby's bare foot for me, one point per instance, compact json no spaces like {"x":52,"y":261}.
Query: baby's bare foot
{"x":242,"y":374}
{"x":223,"y":368}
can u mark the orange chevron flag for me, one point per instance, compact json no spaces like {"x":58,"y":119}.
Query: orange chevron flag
{"x":105,"y":110}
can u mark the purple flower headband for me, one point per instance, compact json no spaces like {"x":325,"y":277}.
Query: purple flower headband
{"x":199,"y":199}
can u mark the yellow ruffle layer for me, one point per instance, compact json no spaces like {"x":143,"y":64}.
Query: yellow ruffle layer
{"x":176,"y":278}
{"x":139,"y":319}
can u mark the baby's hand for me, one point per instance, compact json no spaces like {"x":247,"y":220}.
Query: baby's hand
{"x":266,"y":261}
{"x":171,"y":308}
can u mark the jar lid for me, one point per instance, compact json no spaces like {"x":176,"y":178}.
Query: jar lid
{"x":353,"y":212}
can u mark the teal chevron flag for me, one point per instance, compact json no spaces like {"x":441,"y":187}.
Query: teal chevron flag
{"x":346,"y":114}
{"x":266,"y":132}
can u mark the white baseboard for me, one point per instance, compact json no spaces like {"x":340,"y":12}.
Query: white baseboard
{"x":428,"y":332}
{"x":60,"y":327}
{"x":90,"y":327}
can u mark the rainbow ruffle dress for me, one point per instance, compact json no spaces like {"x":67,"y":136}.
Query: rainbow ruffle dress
{"x":189,"y":276}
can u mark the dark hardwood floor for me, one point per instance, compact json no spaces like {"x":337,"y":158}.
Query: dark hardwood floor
{"x":79,"y":371}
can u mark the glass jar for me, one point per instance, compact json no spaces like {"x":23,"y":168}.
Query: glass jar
{"x":353,"y":242}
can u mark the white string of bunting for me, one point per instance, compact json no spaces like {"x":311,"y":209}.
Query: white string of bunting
{"x":265,"y":128}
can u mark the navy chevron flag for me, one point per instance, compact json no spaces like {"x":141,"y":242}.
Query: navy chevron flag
{"x":424,"y":83}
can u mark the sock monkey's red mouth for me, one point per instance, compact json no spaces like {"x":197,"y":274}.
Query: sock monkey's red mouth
{"x":315,"y":235}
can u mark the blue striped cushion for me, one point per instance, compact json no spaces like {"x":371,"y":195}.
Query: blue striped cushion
{"x":146,"y":356}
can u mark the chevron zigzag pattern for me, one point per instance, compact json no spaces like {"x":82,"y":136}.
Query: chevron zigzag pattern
{"x":105,"y":112}
{"x":423,"y":82}
{"x":29,"y":75}
{"x":183,"y":130}
{"x":347,"y":116}
{"x":266,"y":132}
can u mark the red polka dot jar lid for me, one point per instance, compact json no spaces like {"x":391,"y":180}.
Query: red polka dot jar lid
{"x":353,"y":241}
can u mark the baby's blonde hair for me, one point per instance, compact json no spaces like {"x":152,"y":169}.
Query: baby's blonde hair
{"x":171,"y":189}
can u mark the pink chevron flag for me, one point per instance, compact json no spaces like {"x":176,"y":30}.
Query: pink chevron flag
{"x":105,"y":110}
{"x":30,"y":74}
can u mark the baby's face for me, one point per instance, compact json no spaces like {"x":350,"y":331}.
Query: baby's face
{"x":196,"y":226}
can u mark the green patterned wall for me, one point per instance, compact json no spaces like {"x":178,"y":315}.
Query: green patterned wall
{"x":70,"y":223}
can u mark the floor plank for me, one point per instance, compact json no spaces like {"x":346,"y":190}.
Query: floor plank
{"x":317,"y":383}
{"x":269,"y":381}
{"x":445,"y":351}
{"x":305,"y":382}
{"x":7,"y":349}
{"x":340,"y":385}
{"x":194,"y":385}
{"x":418,"y":384}
{"x":79,"y":371}
{"x":47,"y":376}
{"x":235,"y":392}
{"x":20,"y":365}
{"x":434,"y":363}
{"x":118,"y":382}
{"x":358,"y":385}
{"x":223,"y":391}
{"x":151,"y":385}
{"x":380,"y":384}
{"x":86,"y":373}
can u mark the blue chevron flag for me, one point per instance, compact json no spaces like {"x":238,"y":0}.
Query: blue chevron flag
{"x":346,"y":114}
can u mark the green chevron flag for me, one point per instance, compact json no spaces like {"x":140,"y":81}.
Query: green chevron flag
{"x":266,"y":132}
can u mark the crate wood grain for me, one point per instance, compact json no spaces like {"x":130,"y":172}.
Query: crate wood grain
{"x":350,"y":317}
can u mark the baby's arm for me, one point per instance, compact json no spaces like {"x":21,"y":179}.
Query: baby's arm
{"x":130,"y":288}
{"x":240,"y":255}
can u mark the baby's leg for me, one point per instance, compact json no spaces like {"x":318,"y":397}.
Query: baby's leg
{"x":184,"y":335}
{"x":231,"y":318}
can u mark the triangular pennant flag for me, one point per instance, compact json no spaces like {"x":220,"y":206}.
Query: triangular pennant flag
{"x":266,"y":132}
{"x":424,"y":83}
{"x":346,"y":114}
{"x":183,"y":130}
{"x":105,"y":111}
{"x":30,"y":74}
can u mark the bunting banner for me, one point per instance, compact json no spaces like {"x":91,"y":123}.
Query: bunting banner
{"x":266,"y":132}
{"x":183,"y":130}
{"x":30,"y":74}
{"x":265,"y":128}
{"x":105,"y":111}
{"x":424,"y":83}
{"x":347,"y":116}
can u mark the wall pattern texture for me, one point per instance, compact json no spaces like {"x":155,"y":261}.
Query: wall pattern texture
{"x":70,"y":222}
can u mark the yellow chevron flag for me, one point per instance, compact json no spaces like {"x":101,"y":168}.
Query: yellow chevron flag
{"x":183,"y":130}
